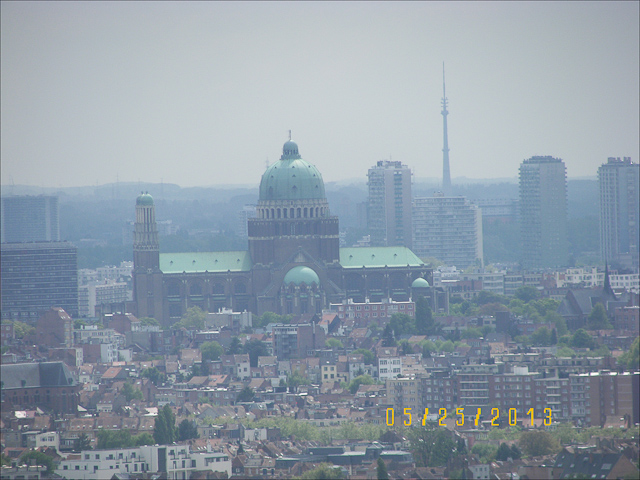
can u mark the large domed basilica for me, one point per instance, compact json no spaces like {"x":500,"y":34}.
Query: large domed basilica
{"x":294,"y":264}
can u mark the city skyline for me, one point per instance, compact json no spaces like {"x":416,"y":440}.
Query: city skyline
{"x":205,"y":93}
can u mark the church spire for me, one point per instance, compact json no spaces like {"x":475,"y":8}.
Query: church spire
{"x":446,"y":175}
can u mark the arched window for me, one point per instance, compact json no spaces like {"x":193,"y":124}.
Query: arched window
{"x":305,"y":212}
{"x":285,"y":212}
{"x":299,"y":212}
{"x":173,"y":288}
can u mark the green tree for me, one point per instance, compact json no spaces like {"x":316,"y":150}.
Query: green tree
{"x":597,"y":319}
{"x":541,"y":337}
{"x":211,"y":350}
{"x":492,"y":308}
{"x":114,"y":439}
{"x":526,"y":293}
{"x":131,"y":393}
{"x":424,"y":317}
{"x":187,"y":430}
{"x":388,"y":339}
{"x":246,"y":395}
{"x":164,"y":430}
{"x":447,"y":347}
{"x":485,"y":451}
{"x":559,"y":322}
{"x":149,"y":322}
{"x":235,"y":347}
{"x":193,"y":319}
{"x":485,"y":297}
{"x":515,"y":452}
{"x":83,"y":443}
{"x":381,"y":470}
{"x":565,"y":351}
{"x":21,"y":329}
{"x":333,"y":343}
{"x":402,"y":324}
{"x":255,"y":348}
{"x":369,"y":356}
{"x":144,"y":438}
{"x":269,"y":317}
{"x":296,"y":379}
{"x":35,"y":457}
{"x":536,"y":443}
{"x":5,"y":459}
{"x":155,"y":375}
{"x":431,"y":446}
{"x":360,"y":380}
{"x":471,"y":332}
{"x":631,"y":359}
{"x":581,"y":339}
{"x":324,"y":471}
{"x":504,"y":452}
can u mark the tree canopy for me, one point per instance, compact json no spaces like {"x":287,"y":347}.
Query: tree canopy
{"x":187,"y":430}
{"x":193,"y":319}
{"x":598,"y":319}
{"x":538,"y":442}
{"x":211,"y":350}
{"x":164,"y":430}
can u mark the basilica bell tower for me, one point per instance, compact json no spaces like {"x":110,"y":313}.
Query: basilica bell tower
{"x":147,"y":277}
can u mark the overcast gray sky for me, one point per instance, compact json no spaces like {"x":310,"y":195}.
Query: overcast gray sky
{"x":204,"y":93}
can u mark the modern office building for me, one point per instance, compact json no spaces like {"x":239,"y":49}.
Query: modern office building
{"x":28,"y":218}
{"x":38,"y":276}
{"x":389,"y":213}
{"x":543,"y":213}
{"x":449,"y":229}
{"x":619,"y":212}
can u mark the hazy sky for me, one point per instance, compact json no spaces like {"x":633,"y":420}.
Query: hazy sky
{"x":204,"y":93}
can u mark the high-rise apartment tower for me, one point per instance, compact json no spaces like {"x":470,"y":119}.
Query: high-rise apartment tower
{"x":30,"y":218}
{"x":619,"y":216}
{"x":389,"y":214}
{"x":449,"y":229}
{"x":543,"y":213}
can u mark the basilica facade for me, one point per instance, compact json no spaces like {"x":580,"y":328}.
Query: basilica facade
{"x":294,"y":263}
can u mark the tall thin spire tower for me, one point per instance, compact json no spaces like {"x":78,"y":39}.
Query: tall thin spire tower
{"x":446,"y":174}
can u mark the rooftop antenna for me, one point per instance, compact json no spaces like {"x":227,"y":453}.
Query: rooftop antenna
{"x":446,"y":174}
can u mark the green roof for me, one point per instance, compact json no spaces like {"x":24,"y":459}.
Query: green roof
{"x":144,"y":199}
{"x":420,"y":283}
{"x":192,"y":262}
{"x":356,"y":257}
{"x":301,"y":274}
{"x":291,"y":178}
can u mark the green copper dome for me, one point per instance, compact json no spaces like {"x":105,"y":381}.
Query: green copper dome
{"x":144,"y":199}
{"x":300,"y":274}
{"x":291,"y":178}
{"x":420,"y":283}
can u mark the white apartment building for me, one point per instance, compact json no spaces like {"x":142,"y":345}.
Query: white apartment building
{"x":374,"y":310}
{"x":177,"y":461}
{"x":94,"y":294}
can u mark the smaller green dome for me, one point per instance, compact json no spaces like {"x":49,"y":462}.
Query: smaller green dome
{"x":300,"y":274}
{"x":144,"y":199}
{"x":420,"y":283}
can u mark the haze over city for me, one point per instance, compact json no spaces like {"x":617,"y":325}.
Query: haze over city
{"x":205,"y":93}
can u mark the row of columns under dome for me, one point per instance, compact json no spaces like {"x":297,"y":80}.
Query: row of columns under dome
{"x":293,"y":212}
{"x":146,"y":216}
